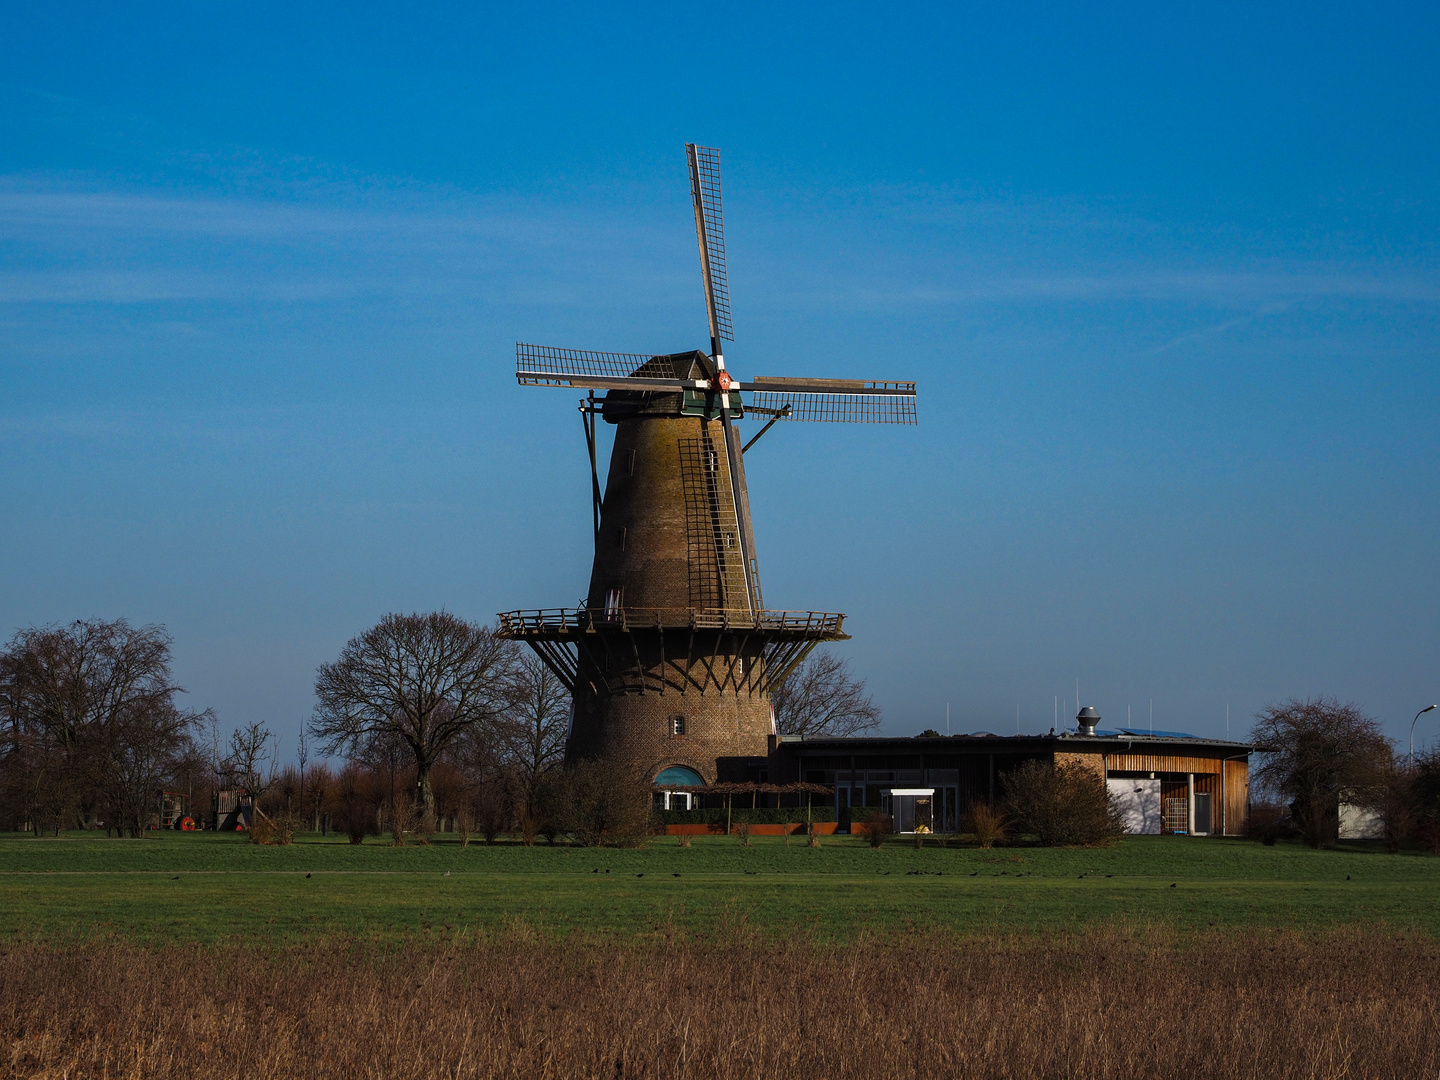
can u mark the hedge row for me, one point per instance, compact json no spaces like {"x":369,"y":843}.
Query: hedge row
{"x":784,"y":815}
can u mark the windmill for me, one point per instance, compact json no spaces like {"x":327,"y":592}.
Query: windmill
{"x":672,"y":655}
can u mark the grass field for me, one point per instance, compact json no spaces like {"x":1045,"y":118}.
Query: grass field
{"x":210,"y":889}
{"x":1169,"y":958}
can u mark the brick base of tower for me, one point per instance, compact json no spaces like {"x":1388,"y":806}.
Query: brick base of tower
{"x":721,"y":734}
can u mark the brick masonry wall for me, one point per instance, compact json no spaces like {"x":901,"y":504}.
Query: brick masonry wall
{"x":643,"y":550}
{"x":723,"y":732}
{"x":1090,"y":760}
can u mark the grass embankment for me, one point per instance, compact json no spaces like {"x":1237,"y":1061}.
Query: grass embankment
{"x":220,"y":889}
{"x":1102,"y":1006}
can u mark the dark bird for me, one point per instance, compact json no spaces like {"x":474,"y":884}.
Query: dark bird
{"x":639,"y":875}
{"x":175,"y":878}
{"x":1172,"y":884}
{"x":309,"y":875}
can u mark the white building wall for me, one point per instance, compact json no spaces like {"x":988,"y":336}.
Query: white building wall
{"x":1357,"y":823}
{"x":1139,"y":803}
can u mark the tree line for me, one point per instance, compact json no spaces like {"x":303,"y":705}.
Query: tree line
{"x":421,"y":719}
{"x":1319,"y":754}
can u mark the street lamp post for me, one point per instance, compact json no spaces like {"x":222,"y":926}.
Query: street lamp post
{"x":1419,"y":714}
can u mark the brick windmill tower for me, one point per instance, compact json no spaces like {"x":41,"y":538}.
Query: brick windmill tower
{"x":671,"y":660}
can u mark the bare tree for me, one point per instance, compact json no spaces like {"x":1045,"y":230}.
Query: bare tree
{"x":418,"y":679}
{"x":1317,"y":752}
{"x":250,"y":754}
{"x":98,"y":697}
{"x":822,"y":698}
{"x":530,"y":735}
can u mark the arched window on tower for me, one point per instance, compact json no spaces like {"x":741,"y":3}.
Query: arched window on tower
{"x":677,"y":776}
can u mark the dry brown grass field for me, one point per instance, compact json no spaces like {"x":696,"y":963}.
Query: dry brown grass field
{"x":1272,"y":1004}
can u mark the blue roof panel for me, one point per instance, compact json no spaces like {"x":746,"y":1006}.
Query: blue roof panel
{"x":1157,"y":732}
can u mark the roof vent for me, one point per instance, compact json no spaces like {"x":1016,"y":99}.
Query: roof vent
{"x":1086,"y":719}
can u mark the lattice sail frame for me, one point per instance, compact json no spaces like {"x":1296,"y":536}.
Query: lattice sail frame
{"x":705,"y":187}
{"x":547,"y":365}
{"x":712,"y":532}
{"x":835,"y":408}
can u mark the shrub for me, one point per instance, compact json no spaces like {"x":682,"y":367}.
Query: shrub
{"x":527,"y":821}
{"x":464,"y":825}
{"x":403,"y":821}
{"x":262,"y":829}
{"x":877,"y":826}
{"x":1425,"y":800}
{"x":742,"y":830}
{"x":1427,"y":832}
{"x":683,"y":840}
{"x":1062,"y":805}
{"x":1267,"y":822}
{"x":988,"y":825}
{"x":353,"y":805}
{"x":283,"y":827}
{"x":491,"y":808}
{"x":603,"y":803}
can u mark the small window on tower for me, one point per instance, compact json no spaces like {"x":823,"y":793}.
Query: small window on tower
{"x":677,"y":725}
{"x":623,"y":532}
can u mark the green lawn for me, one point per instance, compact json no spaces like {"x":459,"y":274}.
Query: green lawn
{"x":203,"y":887}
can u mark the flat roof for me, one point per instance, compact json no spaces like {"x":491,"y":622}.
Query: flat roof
{"x":1124,"y":741}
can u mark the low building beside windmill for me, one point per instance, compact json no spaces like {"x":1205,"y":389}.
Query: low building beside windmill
{"x":1164,"y":782}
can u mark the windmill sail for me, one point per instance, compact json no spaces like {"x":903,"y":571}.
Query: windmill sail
{"x":710,"y":231}
{"x":855,"y":401}
{"x":545,"y":365}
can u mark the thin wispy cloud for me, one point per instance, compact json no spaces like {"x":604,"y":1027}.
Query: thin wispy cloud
{"x":116,"y":247}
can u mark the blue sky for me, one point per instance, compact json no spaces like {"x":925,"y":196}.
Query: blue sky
{"x":1168,"y":281}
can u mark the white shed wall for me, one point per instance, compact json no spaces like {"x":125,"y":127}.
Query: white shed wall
{"x":1357,"y":823}
{"x":1139,"y":802}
